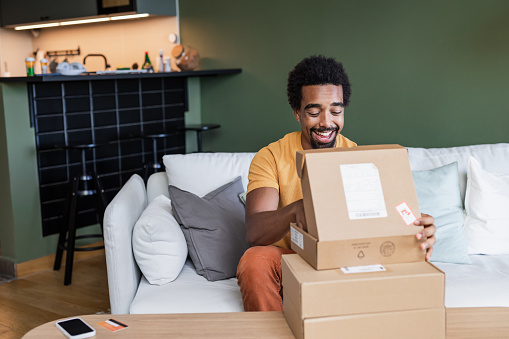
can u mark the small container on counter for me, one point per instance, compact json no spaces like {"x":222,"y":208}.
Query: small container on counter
{"x":167,"y":65}
{"x":44,"y":66}
{"x":30,"y":63}
{"x":186,"y":58}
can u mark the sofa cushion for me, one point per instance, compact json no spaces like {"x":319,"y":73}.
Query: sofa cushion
{"x":157,"y":184}
{"x":438,"y":192}
{"x":481,"y":284}
{"x":159,"y":245}
{"x":214,"y":228}
{"x":486,"y":203}
{"x":493,"y":157}
{"x":189,"y":293}
{"x":200,"y":173}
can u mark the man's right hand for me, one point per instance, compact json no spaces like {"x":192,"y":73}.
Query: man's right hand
{"x":267,"y":224}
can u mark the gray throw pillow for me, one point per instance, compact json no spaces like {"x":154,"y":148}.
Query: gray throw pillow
{"x":214,"y":228}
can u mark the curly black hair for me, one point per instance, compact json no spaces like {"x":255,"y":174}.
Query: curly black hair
{"x":316,"y":70}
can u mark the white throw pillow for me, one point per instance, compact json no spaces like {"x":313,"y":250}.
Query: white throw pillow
{"x":486,"y":204}
{"x":159,"y":245}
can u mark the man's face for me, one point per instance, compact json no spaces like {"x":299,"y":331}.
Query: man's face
{"x":321,"y":115}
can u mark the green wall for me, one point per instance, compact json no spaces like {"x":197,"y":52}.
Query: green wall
{"x":20,"y":227}
{"x":423,"y":73}
{"x":20,"y":230}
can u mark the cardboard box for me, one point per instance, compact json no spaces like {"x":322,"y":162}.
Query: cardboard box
{"x":358,"y":203}
{"x":415,"y":324}
{"x":331,"y":303}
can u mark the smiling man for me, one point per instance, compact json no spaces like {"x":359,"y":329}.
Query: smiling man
{"x":318,"y":92}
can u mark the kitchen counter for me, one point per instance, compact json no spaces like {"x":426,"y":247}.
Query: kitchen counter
{"x":81,"y":77}
{"x":41,"y":115}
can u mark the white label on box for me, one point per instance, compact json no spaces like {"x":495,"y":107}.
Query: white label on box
{"x":363,"y":191}
{"x":406,"y":213}
{"x":297,"y":237}
{"x":363,"y":269}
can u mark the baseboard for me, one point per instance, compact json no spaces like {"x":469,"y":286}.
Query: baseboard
{"x":46,"y":263}
{"x":7,"y":268}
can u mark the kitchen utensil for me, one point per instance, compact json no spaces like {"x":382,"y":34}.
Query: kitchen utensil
{"x":74,"y":68}
{"x":53,"y":65}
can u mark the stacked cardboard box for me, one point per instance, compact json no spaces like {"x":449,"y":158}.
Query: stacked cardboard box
{"x":360,"y":205}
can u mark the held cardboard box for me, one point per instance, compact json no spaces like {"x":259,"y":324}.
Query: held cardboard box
{"x":360,"y":204}
{"x":331,"y":303}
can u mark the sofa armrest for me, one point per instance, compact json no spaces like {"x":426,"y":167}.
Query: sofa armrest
{"x":119,"y":219}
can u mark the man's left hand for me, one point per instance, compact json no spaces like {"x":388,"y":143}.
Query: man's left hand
{"x":428,"y":233}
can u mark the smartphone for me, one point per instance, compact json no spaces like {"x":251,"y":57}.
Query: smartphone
{"x":75,"y":328}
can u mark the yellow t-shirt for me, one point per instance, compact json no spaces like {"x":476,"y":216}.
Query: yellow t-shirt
{"x":275,"y":166}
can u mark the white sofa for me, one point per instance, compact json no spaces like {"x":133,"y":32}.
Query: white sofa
{"x":483,"y":283}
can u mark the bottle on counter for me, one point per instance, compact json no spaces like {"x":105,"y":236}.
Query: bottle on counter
{"x":147,"y":64}
{"x":44,"y":66}
{"x":161,"y":61}
{"x":30,"y":63}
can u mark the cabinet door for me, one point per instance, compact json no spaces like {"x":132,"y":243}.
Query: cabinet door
{"x":28,"y":11}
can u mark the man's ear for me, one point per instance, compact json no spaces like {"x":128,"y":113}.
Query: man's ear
{"x":297,"y":115}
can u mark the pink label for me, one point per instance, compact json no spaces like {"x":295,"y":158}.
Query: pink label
{"x":407,"y":214}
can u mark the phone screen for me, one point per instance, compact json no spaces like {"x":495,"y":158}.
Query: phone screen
{"x":75,"y":326}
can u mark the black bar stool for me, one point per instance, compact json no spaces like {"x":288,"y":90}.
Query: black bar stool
{"x":155,"y":165}
{"x":90,"y":185}
{"x":199,"y":129}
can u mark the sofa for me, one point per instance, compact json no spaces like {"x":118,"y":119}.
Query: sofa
{"x":152,"y":271}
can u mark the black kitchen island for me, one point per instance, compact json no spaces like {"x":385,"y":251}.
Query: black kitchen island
{"x":113,"y":110}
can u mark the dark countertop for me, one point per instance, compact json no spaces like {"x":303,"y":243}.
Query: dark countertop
{"x":55,"y":77}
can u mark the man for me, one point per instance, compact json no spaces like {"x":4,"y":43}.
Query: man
{"x":318,"y":92}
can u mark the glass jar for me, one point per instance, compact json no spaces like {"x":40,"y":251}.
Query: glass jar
{"x":186,"y":58}
{"x":30,"y":63}
{"x":44,"y":66}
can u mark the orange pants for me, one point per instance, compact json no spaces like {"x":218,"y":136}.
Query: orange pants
{"x":259,"y":278}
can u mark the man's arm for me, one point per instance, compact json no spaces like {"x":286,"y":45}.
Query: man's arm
{"x":265,"y":223}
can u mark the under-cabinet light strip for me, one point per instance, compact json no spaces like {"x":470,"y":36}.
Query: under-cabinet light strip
{"x":53,"y":24}
{"x":129,"y":16}
{"x":84,"y":21}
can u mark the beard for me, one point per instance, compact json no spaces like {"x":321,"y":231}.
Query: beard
{"x":317,"y":145}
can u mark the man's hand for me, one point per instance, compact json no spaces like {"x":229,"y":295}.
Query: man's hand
{"x":300,"y":217}
{"x":427,"y":234}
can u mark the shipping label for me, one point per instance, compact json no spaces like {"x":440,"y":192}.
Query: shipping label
{"x":297,"y":237}
{"x":363,"y":191}
{"x":363,"y":269}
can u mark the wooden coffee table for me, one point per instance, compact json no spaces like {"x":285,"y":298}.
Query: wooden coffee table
{"x":486,"y":322}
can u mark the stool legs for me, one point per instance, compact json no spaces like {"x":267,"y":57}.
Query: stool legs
{"x":71,"y":237}
{"x":100,"y":201}
{"x":67,"y":237}
{"x":198,"y":137}
{"x":154,"y":165}
{"x":62,"y":238}
{"x":199,"y":128}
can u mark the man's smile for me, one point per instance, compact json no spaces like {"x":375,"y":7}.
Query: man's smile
{"x":324,"y":135}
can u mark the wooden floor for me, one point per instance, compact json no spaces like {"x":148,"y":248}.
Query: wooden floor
{"x":33,"y":300}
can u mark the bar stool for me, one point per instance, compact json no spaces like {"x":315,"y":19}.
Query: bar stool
{"x":90,"y":185}
{"x":199,"y":128}
{"x":155,"y":165}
